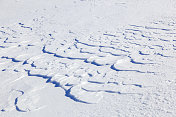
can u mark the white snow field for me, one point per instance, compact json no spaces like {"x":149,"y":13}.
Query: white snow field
{"x":87,"y":58}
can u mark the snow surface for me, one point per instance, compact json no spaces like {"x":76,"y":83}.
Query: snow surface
{"x":87,"y":58}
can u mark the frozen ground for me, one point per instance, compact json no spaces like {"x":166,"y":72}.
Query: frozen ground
{"x":87,"y":58}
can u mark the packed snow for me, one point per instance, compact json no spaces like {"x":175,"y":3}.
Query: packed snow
{"x":87,"y":58}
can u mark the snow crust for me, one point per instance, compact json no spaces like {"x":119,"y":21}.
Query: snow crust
{"x":89,"y":58}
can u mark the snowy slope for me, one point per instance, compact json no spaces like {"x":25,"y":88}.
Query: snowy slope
{"x":90,"y":58}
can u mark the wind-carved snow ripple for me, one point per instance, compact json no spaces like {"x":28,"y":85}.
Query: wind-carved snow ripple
{"x":89,"y":68}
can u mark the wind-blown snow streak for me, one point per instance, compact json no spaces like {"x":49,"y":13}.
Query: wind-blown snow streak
{"x":88,"y":68}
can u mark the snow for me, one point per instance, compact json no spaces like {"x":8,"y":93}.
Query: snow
{"x":89,"y":58}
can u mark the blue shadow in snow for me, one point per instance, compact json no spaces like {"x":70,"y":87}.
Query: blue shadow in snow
{"x":67,"y":94}
{"x":13,"y":59}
